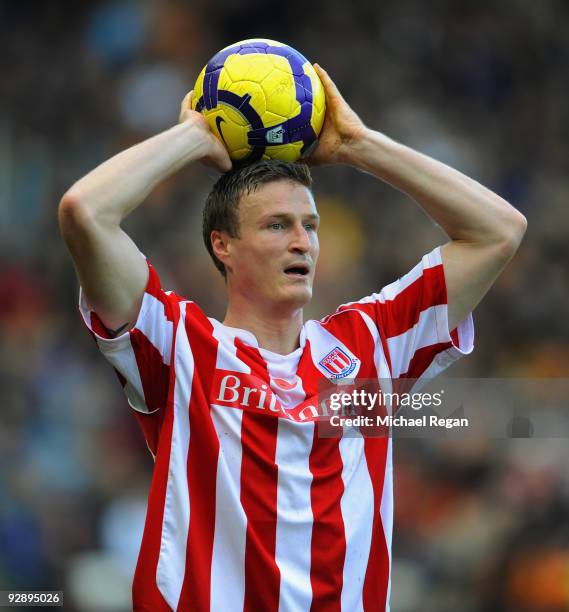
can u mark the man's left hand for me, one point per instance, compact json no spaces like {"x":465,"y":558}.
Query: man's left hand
{"x":341,"y":130}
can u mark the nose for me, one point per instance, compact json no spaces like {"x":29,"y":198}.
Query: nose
{"x":300,"y":242}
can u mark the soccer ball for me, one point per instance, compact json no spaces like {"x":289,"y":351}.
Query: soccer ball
{"x":263,"y":99}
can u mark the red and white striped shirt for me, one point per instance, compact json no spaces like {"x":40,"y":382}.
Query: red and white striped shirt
{"x":249,"y":509}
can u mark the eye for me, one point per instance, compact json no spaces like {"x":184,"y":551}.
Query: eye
{"x":276,"y":226}
{"x":311,"y":227}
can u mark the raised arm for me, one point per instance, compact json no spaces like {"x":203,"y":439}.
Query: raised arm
{"x":485,"y":230}
{"x":110,"y":268}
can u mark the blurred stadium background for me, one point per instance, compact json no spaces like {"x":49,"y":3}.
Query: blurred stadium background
{"x":481,"y":525}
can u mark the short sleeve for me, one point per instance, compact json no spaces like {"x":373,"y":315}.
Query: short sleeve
{"x":411,"y":315}
{"x":141,"y":356}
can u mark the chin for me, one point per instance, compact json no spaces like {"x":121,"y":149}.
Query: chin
{"x":299,"y":296}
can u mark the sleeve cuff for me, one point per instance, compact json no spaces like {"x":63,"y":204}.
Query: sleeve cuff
{"x":461,"y":338}
{"x":97,"y":328}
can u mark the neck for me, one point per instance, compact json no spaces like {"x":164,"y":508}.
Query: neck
{"x":276,"y":330}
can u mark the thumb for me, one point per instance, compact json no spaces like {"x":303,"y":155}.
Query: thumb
{"x":186,"y":104}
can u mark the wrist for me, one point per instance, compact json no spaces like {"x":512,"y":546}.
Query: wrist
{"x":369,"y":149}
{"x":192,"y":140}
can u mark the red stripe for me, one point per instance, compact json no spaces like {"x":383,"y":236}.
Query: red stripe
{"x":259,"y":499}
{"x":328,"y":546}
{"x":98,"y":326}
{"x":151,"y":426}
{"x":158,"y":433}
{"x":259,"y":479}
{"x":371,"y":310}
{"x":422,"y":359}
{"x":202,"y":466}
{"x":385,"y":347}
{"x":454,"y":336}
{"x":401,"y":313}
{"x":377,"y":574}
{"x":155,"y":375}
{"x":376,"y":582}
{"x":351,"y":330}
{"x":145,"y":593}
{"x":355,"y":335}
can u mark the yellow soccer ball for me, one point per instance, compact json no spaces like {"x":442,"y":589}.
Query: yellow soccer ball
{"x":263,"y":99}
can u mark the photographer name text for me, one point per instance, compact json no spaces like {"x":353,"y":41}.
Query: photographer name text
{"x":430,"y":420}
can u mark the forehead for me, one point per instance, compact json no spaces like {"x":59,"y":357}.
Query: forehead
{"x":277,"y":197}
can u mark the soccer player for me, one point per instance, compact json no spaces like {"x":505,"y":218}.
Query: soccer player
{"x":249,"y":509}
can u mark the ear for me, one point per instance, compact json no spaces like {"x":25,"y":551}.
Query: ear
{"x":221,"y":245}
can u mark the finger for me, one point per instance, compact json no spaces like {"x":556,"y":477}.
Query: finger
{"x":329,"y":85}
{"x":185,"y":107}
{"x":313,"y":159}
{"x":220,"y":156}
{"x":186,"y":103}
{"x":225,"y":165}
{"x":220,"y":163}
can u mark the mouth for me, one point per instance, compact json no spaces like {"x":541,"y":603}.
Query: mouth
{"x":297,"y":271}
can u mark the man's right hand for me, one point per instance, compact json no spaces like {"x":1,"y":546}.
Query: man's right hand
{"x":215,"y":153}
{"x":109,"y":265}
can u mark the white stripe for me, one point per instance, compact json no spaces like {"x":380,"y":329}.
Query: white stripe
{"x":294,"y":514}
{"x":227,"y":351}
{"x":172,"y":559}
{"x":429,"y":329}
{"x":386,"y":510}
{"x":227,"y":587}
{"x":294,"y":508}
{"x":386,"y":506}
{"x":154,"y":324}
{"x":381,"y":365}
{"x":357,"y":512}
{"x":284,"y":367}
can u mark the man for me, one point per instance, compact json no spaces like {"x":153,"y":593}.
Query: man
{"x":249,"y":508}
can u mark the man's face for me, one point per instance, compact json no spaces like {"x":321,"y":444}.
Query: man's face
{"x":274,"y":258}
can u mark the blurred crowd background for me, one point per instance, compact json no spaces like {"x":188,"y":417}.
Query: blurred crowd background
{"x":480,"y":525}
